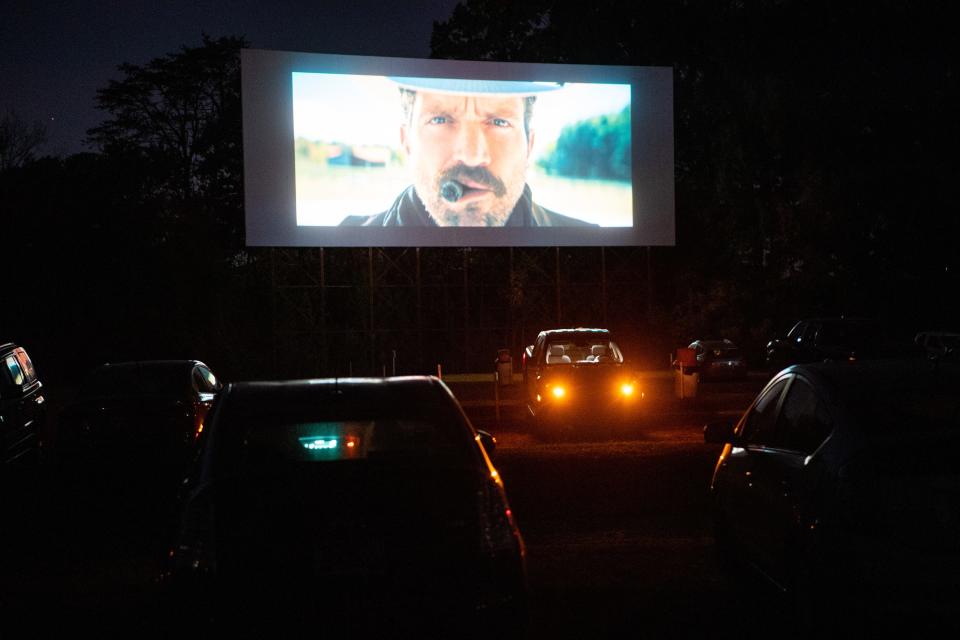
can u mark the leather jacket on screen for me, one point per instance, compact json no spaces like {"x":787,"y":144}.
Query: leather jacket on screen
{"x":408,"y":211}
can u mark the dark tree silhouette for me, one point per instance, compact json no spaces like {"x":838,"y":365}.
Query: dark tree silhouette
{"x":813,"y":141}
{"x":180,"y":114}
{"x":19,"y":140}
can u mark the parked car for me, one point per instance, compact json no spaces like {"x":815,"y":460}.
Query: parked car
{"x":22,"y":407}
{"x":719,"y":360}
{"x":145,"y":414}
{"x":839,"y":485}
{"x":837,"y":339}
{"x":362,"y":505}
{"x":576,"y":381}
{"x":939,"y":344}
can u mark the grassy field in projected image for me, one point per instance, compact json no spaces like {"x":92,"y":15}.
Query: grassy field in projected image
{"x":325,"y":194}
{"x":606,"y":202}
{"x":328,"y":193}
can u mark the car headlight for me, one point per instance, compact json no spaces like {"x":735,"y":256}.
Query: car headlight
{"x":558,"y":392}
{"x":627,"y":389}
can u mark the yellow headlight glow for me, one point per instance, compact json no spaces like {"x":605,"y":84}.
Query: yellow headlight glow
{"x":626,"y":389}
{"x":558,"y":392}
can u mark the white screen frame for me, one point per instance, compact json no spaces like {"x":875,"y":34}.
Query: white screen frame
{"x":269,"y":173}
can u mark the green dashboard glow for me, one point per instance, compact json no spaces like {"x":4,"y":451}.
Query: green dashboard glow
{"x":318,"y":444}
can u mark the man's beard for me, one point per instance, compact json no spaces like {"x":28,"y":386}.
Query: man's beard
{"x":472,"y":214}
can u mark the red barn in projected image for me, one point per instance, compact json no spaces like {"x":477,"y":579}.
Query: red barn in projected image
{"x":364,"y":151}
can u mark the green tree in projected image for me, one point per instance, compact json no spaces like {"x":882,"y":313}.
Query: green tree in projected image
{"x":595,"y":148}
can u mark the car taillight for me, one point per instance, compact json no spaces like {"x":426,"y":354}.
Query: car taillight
{"x":200,"y":410}
{"x":498,"y":531}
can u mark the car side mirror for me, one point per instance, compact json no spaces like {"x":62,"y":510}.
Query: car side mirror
{"x":719,"y":432}
{"x":488,"y":441}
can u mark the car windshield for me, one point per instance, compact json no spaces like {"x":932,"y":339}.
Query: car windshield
{"x":585,"y":350}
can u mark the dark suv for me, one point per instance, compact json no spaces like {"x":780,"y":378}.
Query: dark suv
{"x":22,"y":410}
{"x":829,"y":339}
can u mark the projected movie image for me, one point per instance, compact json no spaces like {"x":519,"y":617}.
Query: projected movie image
{"x":413,"y":151}
{"x":363,"y":151}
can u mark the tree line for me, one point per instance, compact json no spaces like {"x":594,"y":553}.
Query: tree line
{"x":814,"y":176}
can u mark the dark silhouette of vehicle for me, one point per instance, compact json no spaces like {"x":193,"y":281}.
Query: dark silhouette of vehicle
{"x":939,"y":344}
{"x":355,"y":506}
{"x":143,"y":416}
{"x":834,"y":339}
{"x":576,"y":381}
{"x":22,"y":407}
{"x":719,"y":360}
{"x":840,"y":486}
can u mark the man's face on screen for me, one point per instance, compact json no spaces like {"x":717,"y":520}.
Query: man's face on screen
{"x":477,"y":141}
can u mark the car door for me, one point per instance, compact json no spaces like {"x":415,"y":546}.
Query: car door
{"x":532,"y":371}
{"x":738,"y":492}
{"x":784,"y":478}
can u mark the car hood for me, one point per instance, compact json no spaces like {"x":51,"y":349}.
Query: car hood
{"x":587,"y":374}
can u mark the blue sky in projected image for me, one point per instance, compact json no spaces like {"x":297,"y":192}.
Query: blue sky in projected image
{"x":54,"y":56}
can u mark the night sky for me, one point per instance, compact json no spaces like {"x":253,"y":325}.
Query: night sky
{"x":54,"y":56}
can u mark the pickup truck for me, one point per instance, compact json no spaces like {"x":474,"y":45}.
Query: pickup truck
{"x":576,"y":381}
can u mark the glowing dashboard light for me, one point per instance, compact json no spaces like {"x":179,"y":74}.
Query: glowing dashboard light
{"x":626,"y":389}
{"x":558,"y":392}
{"x":318,"y":444}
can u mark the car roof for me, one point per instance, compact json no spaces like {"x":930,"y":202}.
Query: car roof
{"x":715,"y":344}
{"x":365,"y":391}
{"x":8,"y":346}
{"x":151,"y":364}
{"x":891,"y":376}
{"x":897,"y":397}
{"x":855,"y":321}
{"x":579,"y":331}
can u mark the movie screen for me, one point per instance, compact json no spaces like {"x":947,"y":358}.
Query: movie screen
{"x":359,"y":151}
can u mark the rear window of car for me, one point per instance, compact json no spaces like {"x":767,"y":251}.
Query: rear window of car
{"x":248,"y":442}
{"x":722,"y":351}
{"x":330,"y":440}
